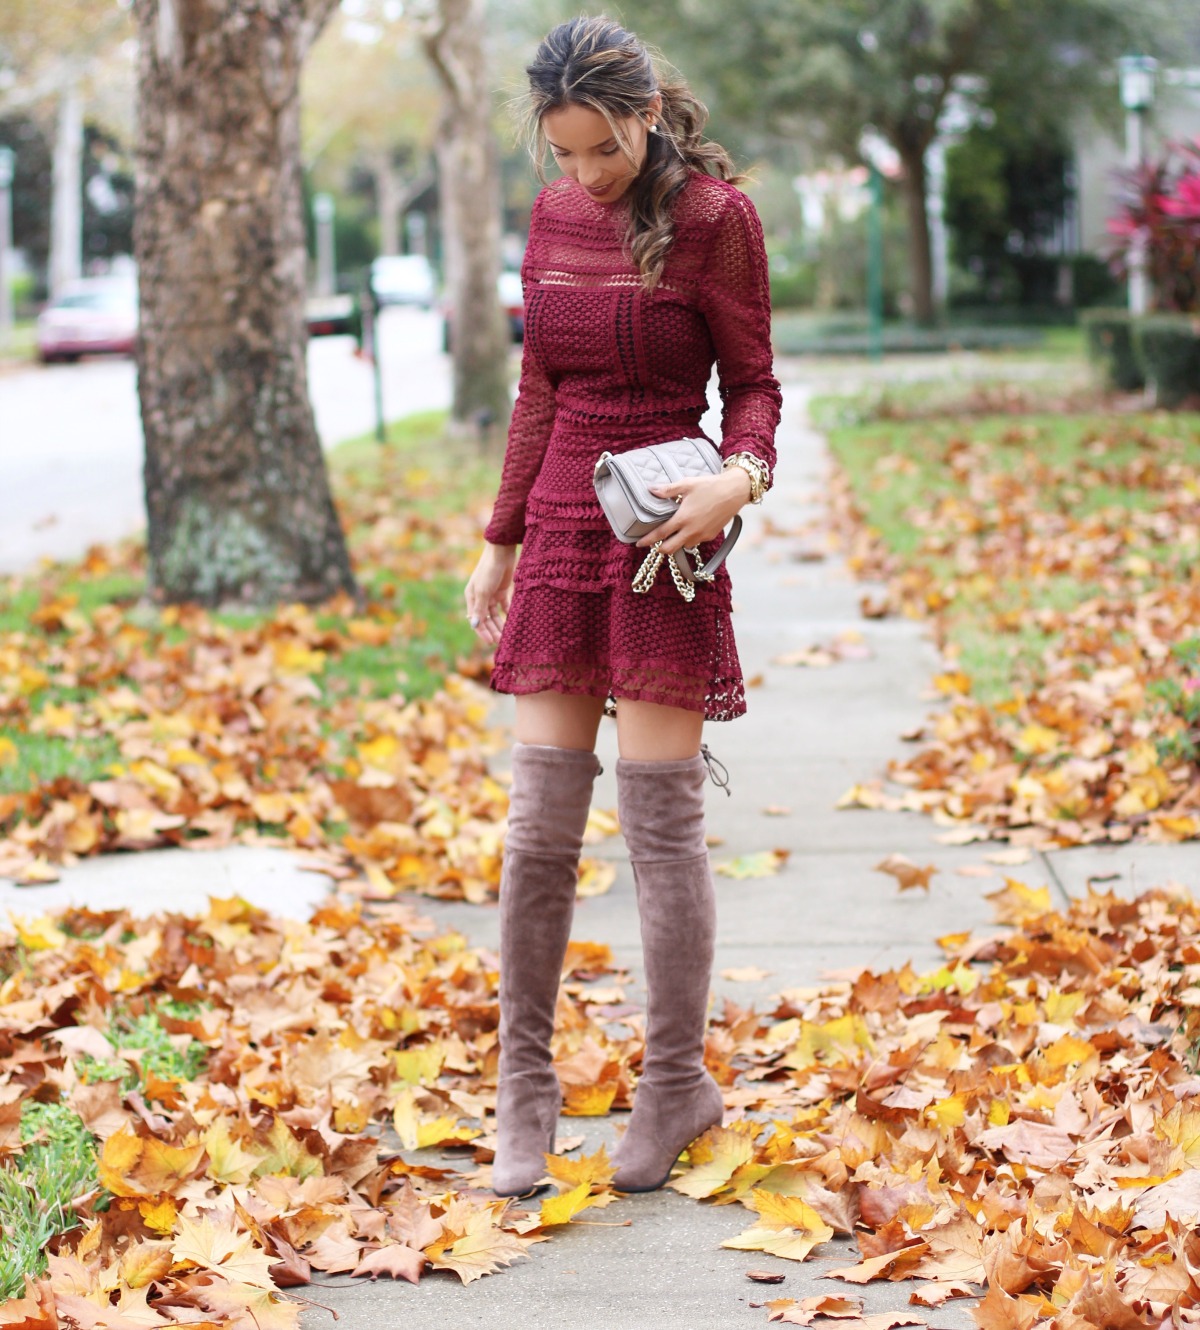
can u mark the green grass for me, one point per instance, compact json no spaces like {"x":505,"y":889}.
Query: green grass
{"x":900,"y":468}
{"x":419,"y":471}
{"x":37,"y":1186}
{"x":162,"y":1055}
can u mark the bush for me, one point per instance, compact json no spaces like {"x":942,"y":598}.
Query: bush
{"x":1168,"y":349}
{"x":1092,"y":282}
{"x":1109,"y":335}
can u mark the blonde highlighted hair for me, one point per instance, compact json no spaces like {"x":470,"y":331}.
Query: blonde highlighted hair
{"x":596,"y":63}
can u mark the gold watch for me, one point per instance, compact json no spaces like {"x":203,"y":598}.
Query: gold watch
{"x":755,"y":468}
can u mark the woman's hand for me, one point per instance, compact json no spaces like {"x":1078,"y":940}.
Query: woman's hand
{"x":489,"y":590}
{"x":709,"y":504}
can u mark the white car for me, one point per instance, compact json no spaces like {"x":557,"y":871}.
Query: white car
{"x":94,"y":315}
{"x":403,"y":279}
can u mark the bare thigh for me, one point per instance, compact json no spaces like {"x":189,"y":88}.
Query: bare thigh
{"x":647,"y":732}
{"x":558,"y":720}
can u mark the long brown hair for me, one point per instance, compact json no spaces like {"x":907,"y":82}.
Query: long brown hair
{"x":596,"y":63}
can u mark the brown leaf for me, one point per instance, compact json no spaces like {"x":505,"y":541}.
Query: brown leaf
{"x":395,"y":1260}
{"x":906,"y":873}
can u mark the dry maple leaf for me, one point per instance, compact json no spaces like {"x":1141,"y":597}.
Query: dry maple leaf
{"x":245,"y":1306}
{"x":216,"y":1246}
{"x":473,"y":1245}
{"x":906,"y":873}
{"x":396,"y":1260}
{"x":763,"y":863}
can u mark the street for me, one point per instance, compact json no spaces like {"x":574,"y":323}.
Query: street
{"x":71,"y":438}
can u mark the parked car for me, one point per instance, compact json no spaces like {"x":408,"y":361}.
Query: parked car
{"x":327,"y":316}
{"x":512,"y":298}
{"x":90,"y":316}
{"x":403,"y":279}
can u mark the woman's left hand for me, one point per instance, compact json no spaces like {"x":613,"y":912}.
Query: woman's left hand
{"x":709,"y":504}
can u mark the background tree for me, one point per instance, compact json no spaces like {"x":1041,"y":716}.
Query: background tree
{"x":369,"y":108}
{"x":57,"y":59}
{"x":823,"y":71}
{"x":237,"y":496}
{"x":469,"y":191}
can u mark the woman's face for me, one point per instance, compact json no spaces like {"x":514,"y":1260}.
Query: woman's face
{"x":585,"y":148}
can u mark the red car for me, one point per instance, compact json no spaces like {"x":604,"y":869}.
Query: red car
{"x":91,"y":316}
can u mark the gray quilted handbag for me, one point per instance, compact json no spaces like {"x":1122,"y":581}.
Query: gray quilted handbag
{"x":623,"y":482}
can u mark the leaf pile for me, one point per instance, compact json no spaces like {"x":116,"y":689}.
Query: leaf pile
{"x":178,"y":726}
{"x":1027,"y":1116}
{"x":261,"y":1132}
{"x":1070,"y":551}
{"x":1034,"y":1127}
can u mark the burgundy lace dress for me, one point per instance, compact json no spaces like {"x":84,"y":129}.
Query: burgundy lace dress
{"x":609,"y":365}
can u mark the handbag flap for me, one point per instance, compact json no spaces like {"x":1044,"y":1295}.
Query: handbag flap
{"x":661,"y":464}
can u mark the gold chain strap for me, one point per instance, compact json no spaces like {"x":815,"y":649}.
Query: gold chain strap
{"x":643,"y":579}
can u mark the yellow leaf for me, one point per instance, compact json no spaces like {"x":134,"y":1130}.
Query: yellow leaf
{"x":421,"y":1065}
{"x":786,"y":1242}
{"x":588,"y":1101}
{"x":288,"y":1155}
{"x":1035,"y":739}
{"x":271,"y":806}
{"x":216,"y":1246}
{"x":595,"y":877}
{"x":40,"y":934}
{"x":121,"y":1152}
{"x":594,"y":1170}
{"x":562,"y":1208}
{"x":228,"y":1161}
{"x":790,"y":1211}
{"x":476,"y":1247}
{"x":715,"y":1157}
{"x":158,"y":1215}
{"x":1017,"y":902}
{"x":145,"y":1262}
{"x":948,"y":1112}
{"x":9,"y":752}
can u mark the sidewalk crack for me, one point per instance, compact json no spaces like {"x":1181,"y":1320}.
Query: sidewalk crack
{"x":1048,"y":863}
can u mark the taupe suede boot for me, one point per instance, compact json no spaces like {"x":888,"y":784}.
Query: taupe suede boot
{"x":661,"y":807}
{"x":548,"y":809}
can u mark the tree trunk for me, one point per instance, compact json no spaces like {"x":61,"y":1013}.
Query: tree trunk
{"x":920,"y":259}
{"x":66,"y":203}
{"x":388,"y":191}
{"x":237,"y":496}
{"x":469,"y":191}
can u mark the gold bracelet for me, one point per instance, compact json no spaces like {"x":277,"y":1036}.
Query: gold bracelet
{"x":755,"y":468}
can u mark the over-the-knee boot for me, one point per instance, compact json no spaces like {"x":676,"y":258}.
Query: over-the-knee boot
{"x":548,"y":809}
{"x":661,"y":807}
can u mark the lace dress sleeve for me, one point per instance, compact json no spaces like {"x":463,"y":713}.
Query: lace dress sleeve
{"x":736,"y":302}
{"x":528,"y":433}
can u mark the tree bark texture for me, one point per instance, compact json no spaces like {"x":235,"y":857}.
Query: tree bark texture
{"x":469,"y":191}
{"x":237,"y":496}
{"x":920,"y":257}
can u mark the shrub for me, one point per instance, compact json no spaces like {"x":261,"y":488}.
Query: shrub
{"x":1168,"y":349}
{"x":1109,"y":334}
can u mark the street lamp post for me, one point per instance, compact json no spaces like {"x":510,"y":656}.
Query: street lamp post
{"x":1136,"y":74}
{"x":323,"y":210}
{"x":7,"y":165}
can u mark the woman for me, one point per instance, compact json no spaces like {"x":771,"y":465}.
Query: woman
{"x":645,"y":264}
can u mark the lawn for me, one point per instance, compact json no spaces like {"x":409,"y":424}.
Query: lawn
{"x":125,"y":725}
{"x":1058,"y":558}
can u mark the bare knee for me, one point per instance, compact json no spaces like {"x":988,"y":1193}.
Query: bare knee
{"x":647,"y":732}
{"x":558,"y":720}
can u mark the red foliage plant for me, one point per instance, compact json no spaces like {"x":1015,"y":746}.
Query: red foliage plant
{"x":1159,"y":203}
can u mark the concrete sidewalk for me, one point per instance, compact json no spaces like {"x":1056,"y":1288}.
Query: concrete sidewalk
{"x":810,"y":734}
